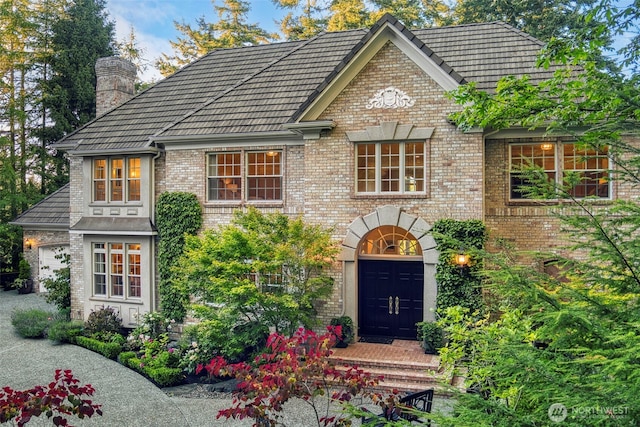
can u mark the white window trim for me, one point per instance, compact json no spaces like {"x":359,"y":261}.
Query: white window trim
{"x":559,"y":170}
{"x":125,"y":180}
{"x":244,"y":177}
{"x":402,"y":163}
{"x":107,"y":273}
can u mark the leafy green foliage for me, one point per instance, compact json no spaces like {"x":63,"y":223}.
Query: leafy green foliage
{"x":177,"y":214}
{"x":569,"y":335}
{"x":267,"y":268}
{"x":459,"y":285}
{"x":103,"y":321}
{"x":431,"y":336}
{"x":59,"y":285}
{"x":65,"y":331}
{"x":31,"y":323}
{"x":109,"y":350}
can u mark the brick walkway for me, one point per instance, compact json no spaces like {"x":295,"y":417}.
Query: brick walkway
{"x":401,"y":351}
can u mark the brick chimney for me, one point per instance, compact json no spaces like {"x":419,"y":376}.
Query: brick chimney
{"x":115,"y":79}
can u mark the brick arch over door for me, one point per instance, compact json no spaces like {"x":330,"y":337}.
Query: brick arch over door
{"x":356,"y":232}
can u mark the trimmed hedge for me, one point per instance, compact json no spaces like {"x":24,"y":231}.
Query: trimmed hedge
{"x":107,"y":349}
{"x":162,"y":376}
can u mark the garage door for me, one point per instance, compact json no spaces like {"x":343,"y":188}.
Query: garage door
{"x":51,"y":259}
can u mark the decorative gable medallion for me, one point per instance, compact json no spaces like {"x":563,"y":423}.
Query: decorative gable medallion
{"x":390,"y":97}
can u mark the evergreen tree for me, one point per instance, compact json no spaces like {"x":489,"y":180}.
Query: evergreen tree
{"x":563,"y":343}
{"x":347,"y":15}
{"x":542,"y":19}
{"x":231,"y":30}
{"x":80,"y":38}
{"x":129,"y":49}
{"x":311,"y":20}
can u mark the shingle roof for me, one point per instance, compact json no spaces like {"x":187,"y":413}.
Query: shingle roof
{"x":259,"y":88}
{"x":51,"y":212}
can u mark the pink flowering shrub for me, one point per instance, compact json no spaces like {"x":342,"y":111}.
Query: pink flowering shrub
{"x":60,"y":398}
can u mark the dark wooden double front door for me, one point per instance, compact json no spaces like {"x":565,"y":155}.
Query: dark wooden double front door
{"x":390,"y":298}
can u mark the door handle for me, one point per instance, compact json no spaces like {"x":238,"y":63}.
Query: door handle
{"x":390,"y":305}
{"x":397,"y":305}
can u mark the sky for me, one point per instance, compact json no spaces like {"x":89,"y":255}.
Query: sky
{"x":152,"y":21}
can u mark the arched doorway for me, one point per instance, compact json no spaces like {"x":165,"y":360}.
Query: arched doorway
{"x":390,"y":283}
{"x":362,"y":232}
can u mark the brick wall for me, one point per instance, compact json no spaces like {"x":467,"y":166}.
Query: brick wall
{"x":529,"y":225}
{"x":320,"y":175}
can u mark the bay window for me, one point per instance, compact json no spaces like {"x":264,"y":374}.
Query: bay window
{"x":116,"y":270}
{"x":116,"y":179}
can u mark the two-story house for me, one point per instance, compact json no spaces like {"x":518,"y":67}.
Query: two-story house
{"x":348,"y":129}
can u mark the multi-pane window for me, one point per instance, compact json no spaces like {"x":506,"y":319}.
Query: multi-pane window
{"x":244,"y":176}
{"x":116,"y":179}
{"x":224,"y":176}
{"x":117,"y":270}
{"x":588,"y":168}
{"x":394,"y":167}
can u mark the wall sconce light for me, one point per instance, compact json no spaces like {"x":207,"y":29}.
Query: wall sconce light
{"x":546,"y":146}
{"x":461,"y":259}
{"x":27,"y":244}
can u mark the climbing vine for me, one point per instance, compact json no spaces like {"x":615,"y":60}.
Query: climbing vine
{"x":177,"y":214}
{"x":459,"y":285}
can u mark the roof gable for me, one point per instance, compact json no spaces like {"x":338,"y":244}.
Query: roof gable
{"x":387,"y":29}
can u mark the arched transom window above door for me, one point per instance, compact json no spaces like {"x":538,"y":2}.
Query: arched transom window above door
{"x":390,"y":240}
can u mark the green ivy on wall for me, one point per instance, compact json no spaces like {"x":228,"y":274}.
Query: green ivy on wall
{"x":177,"y":214}
{"x":459,"y":285}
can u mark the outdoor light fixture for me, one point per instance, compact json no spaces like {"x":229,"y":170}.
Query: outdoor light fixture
{"x":27,"y":244}
{"x":462,"y":259}
{"x":546,"y":146}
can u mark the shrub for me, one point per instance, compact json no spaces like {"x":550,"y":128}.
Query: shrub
{"x":107,"y":349}
{"x":155,"y":368}
{"x":431,"y":336}
{"x":31,"y":323}
{"x":65,"y":331}
{"x":59,"y":286}
{"x":164,"y":376}
{"x":60,"y":398}
{"x":293,"y":367}
{"x":125,"y":356}
{"x":103,"y":320}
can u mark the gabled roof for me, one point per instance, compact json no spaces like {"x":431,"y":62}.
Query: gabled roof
{"x":258,"y":89}
{"x":50,"y":213}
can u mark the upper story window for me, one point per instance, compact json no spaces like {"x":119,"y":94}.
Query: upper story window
{"x":558,"y":162}
{"x":390,"y":167}
{"x":116,"y":179}
{"x":117,"y":270}
{"x":244,"y":176}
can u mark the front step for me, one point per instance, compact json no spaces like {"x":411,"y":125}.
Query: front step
{"x":403,"y":365}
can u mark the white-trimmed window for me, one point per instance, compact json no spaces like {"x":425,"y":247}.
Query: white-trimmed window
{"x":116,"y":179}
{"x":390,"y":168}
{"x":117,"y":270}
{"x":556,"y":161}
{"x":251,"y":176}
